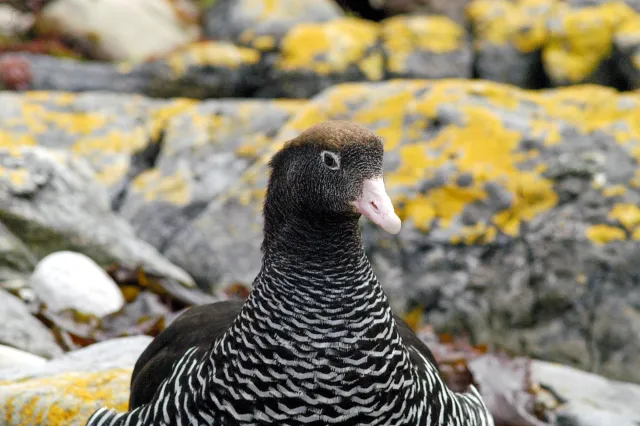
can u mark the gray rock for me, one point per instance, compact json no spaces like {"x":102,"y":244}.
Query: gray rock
{"x":261,"y":23}
{"x":16,"y":261}
{"x":44,"y":72}
{"x":22,"y":331}
{"x":67,"y":280}
{"x":53,"y":201}
{"x":122,"y":352}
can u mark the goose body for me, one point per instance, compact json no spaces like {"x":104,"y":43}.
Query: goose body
{"x":316,"y":342}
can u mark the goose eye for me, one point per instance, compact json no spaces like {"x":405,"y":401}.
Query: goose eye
{"x":330,"y":159}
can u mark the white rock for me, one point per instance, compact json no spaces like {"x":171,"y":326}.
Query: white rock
{"x":122,"y":352}
{"x":131,"y":30}
{"x":15,"y":358}
{"x":13,"y":22}
{"x":68,"y":279}
{"x":592,"y":400}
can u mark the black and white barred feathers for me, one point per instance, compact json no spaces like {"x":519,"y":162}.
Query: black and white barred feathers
{"x":286,"y":362}
{"x":316,"y":343}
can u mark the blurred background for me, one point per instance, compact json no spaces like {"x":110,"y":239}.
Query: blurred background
{"x":134,"y":136}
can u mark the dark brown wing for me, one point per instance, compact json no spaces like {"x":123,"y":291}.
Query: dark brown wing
{"x":200,"y":326}
{"x":197,"y":326}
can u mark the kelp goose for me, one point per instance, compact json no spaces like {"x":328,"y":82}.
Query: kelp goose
{"x":316,"y":342}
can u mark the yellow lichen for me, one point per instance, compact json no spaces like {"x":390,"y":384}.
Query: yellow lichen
{"x":212,"y":53}
{"x":603,"y":234}
{"x":627,"y":214}
{"x":404,"y":35}
{"x":521,"y":23}
{"x":83,"y":393}
{"x":581,"y":39}
{"x":174,"y":189}
{"x":614,"y":191}
{"x":262,"y":43}
{"x":329,"y":47}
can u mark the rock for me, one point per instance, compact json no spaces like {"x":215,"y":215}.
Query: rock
{"x":260,"y":23}
{"x":67,"y":390}
{"x":16,"y":261}
{"x":627,"y":44}
{"x":15,"y":358}
{"x":314,"y":56}
{"x":13,"y":23}
{"x":205,"y":70}
{"x":519,"y":224}
{"x":67,"y":280}
{"x":205,"y":150}
{"x":453,"y":9}
{"x":53,"y":201}
{"x":21,"y":71}
{"x":591,"y":400}
{"x":199,"y":70}
{"x":580,"y":45}
{"x":425,"y":47}
{"x":22,"y":331}
{"x":507,"y":37}
{"x":131,"y":30}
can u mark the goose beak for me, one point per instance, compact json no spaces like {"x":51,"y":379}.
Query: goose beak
{"x":375,"y":204}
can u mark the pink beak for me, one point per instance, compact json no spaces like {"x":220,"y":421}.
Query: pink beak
{"x":375,"y":204}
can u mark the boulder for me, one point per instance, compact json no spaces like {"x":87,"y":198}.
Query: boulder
{"x":262,"y":23}
{"x":520,"y":224}
{"x":507,"y":39}
{"x":68,"y":280}
{"x":67,"y":390}
{"x":314,"y":56}
{"x":425,"y":47}
{"x":53,"y":201}
{"x":22,"y":331}
{"x":122,"y":30}
{"x":15,"y":358}
{"x":207,"y":69}
{"x":580,"y":44}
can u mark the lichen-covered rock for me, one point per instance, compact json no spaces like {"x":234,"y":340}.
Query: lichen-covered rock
{"x":519,"y":208}
{"x":106,"y":129}
{"x":580,"y":44}
{"x":314,"y":56}
{"x":262,"y":23}
{"x":133,"y":30}
{"x":53,"y":201}
{"x":22,"y":331}
{"x":67,"y":390}
{"x":507,"y":38}
{"x":425,"y":47}
{"x":67,"y":280}
{"x":205,"y":150}
{"x":202,"y":70}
